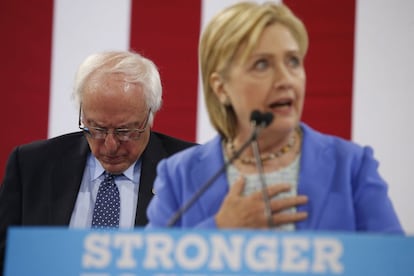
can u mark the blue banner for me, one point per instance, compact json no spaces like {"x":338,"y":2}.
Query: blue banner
{"x":62,"y":251}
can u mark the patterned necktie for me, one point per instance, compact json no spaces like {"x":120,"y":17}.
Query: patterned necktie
{"x":107,"y":205}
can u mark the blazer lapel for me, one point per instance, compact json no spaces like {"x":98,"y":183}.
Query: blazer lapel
{"x":315,"y":177}
{"x":208,"y":164}
{"x":66,"y":178}
{"x":154,"y":152}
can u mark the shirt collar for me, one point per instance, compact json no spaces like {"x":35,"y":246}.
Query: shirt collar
{"x":97,"y":170}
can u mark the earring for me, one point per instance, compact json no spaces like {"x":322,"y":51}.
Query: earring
{"x":226,"y":101}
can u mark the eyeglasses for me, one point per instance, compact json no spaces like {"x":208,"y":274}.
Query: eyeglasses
{"x":122,"y":134}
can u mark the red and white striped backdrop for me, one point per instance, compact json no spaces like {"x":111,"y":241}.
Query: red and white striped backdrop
{"x":359,"y":70}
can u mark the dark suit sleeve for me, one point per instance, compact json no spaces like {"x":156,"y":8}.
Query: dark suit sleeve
{"x":10,"y":198}
{"x":41,"y":182}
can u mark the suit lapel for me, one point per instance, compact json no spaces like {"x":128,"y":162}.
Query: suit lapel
{"x":210,"y":161}
{"x":67,"y":173}
{"x":153,"y":153}
{"x":315,"y":178}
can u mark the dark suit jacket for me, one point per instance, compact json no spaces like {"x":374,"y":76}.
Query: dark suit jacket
{"x":42,"y":180}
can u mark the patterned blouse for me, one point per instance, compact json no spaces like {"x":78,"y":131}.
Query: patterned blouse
{"x":288,"y":175}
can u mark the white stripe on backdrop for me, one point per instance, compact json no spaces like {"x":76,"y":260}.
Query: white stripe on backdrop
{"x":81,"y":28}
{"x":383,"y":92}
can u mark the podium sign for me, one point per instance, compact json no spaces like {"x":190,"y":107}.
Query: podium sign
{"x":62,"y":251}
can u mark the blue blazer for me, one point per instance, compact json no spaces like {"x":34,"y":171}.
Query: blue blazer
{"x":340,"y":178}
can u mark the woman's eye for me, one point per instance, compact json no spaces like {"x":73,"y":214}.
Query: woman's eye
{"x":261,"y":64}
{"x":294,"y":61}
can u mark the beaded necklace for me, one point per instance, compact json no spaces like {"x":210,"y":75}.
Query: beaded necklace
{"x":269,"y":155}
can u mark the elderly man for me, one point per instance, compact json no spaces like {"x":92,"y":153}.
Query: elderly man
{"x":102,"y":176}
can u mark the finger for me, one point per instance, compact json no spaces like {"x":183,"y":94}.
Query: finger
{"x":278,"y":188}
{"x":272,"y":191}
{"x":238,"y":186}
{"x":278,"y":205}
{"x":284,"y":218}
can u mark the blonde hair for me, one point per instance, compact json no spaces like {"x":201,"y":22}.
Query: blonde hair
{"x":237,"y":25}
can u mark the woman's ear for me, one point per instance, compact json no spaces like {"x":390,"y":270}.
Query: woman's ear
{"x":217,"y":84}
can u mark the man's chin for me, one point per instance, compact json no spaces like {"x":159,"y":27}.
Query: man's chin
{"x":115,"y":168}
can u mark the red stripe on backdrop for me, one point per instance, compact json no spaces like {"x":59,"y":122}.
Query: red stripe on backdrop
{"x":329,"y":63}
{"x":168,"y":34}
{"x":26,"y":31}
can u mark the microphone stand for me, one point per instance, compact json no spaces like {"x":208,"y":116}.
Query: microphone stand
{"x":259,"y":166}
{"x":206,"y":185}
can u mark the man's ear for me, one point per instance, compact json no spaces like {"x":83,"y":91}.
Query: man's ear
{"x":217,"y":84}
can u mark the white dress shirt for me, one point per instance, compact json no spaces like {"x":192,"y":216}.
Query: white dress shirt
{"x":128,"y":185}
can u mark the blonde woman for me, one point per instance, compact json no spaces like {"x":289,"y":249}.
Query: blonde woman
{"x":252,"y":58}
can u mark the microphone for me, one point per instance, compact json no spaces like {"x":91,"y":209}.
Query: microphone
{"x":264,"y":119}
{"x":259,"y":166}
{"x":259,"y":121}
{"x":259,"y":118}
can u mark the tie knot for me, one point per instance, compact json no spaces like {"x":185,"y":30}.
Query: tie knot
{"x":108,"y":175}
